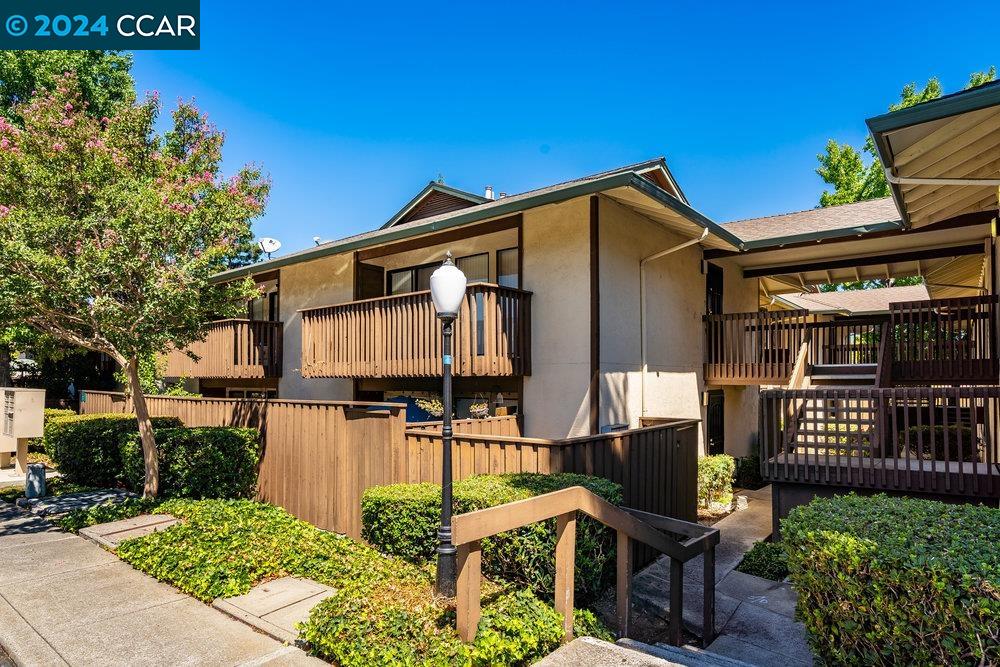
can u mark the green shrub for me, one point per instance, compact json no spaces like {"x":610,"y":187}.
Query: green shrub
{"x":715,"y":479}
{"x":36,"y":445}
{"x":383,"y":611}
{"x":928,"y":442}
{"x":402,"y":520}
{"x":87,"y":448}
{"x":765,"y":559}
{"x":208,"y":462}
{"x":78,"y":519}
{"x":896,"y":580}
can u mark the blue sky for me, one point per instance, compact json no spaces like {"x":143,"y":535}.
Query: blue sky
{"x":352,"y":107}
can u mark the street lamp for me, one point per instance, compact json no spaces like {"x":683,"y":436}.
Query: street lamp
{"x":447,"y":291}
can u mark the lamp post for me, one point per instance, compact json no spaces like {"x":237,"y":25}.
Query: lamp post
{"x":447,"y":291}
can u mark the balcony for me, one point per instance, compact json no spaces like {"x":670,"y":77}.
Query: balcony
{"x":931,"y":342}
{"x":240,"y":349}
{"x":400,"y":336}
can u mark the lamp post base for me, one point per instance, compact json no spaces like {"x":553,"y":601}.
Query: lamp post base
{"x":445,"y":581}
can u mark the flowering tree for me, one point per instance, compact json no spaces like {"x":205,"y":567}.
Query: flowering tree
{"x":110,"y":232}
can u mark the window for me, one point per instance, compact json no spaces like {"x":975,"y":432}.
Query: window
{"x":400,"y":282}
{"x":475,"y":267}
{"x":507,"y":268}
{"x":418,"y":278}
{"x":264,"y":308}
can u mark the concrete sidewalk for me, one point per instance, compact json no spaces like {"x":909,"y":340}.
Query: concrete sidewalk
{"x":66,"y":601}
{"x":754,"y":617}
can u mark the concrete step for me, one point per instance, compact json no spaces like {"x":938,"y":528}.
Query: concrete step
{"x":586,"y":651}
{"x":683,"y":655}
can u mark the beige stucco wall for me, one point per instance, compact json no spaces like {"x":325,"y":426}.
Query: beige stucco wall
{"x":556,"y":268}
{"x":321,"y":282}
{"x":675,"y":299}
{"x":739,"y":295}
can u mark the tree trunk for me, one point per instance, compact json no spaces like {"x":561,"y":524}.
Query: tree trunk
{"x":5,"y":362}
{"x":152,"y":485}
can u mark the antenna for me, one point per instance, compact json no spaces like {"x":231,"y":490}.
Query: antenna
{"x":269,"y":245}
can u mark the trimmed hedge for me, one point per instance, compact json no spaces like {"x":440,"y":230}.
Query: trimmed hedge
{"x":207,"y":462}
{"x":402,"y":520}
{"x":87,"y":448}
{"x":383,"y":611}
{"x":896,"y":580}
{"x":715,"y":478}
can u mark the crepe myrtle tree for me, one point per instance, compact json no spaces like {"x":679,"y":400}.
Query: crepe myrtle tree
{"x":110,"y":232}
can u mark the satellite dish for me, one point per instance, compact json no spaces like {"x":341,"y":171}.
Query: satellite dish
{"x":269,"y":245}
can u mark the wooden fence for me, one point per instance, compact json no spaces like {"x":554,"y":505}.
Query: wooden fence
{"x":319,"y":457}
{"x":656,"y":466}
{"x":502,"y":425}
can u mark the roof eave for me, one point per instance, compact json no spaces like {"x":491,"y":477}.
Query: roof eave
{"x":502,"y":209}
{"x":440,"y":187}
{"x":679,"y":207}
{"x":860,"y":230}
{"x":925,"y":112}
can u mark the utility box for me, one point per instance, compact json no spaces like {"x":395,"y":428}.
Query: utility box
{"x":23,"y":413}
{"x":22,"y":417}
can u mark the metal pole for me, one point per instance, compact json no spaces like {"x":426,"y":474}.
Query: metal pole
{"x":446,"y":550}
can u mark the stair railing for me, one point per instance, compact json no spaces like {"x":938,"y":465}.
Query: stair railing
{"x":680,"y":540}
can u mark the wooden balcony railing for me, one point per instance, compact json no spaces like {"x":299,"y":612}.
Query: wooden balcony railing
{"x":753,"y":348}
{"x":400,"y":336}
{"x":937,"y":440}
{"x":945,"y":341}
{"x":846,"y":341}
{"x":938,"y":341}
{"x":231,"y":349}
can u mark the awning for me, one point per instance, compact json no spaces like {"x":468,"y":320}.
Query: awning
{"x":942,"y":157}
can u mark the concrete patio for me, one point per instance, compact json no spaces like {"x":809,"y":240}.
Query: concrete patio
{"x":66,"y":601}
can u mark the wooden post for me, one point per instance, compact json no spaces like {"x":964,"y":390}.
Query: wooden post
{"x":565,"y":557}
{"x":675,"y":637}
{"x":708,"y":598}
{"x":624,"y":583}
{"x":470,"y":561}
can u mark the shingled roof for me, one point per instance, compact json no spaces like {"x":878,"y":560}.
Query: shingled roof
{"x":859,"y":217}
{"x":856,"y":301}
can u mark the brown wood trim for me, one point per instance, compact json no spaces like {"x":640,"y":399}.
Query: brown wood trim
{"x":520,"y":252}
{"x":264,"y":277}
{"x":595,"y":315}
{"x":965,"y":220}
{"x":447,"y":236}
{"x":888,"y":258}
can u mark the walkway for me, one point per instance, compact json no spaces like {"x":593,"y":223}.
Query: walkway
{"x":754,"y":617}
{"x":66,"y":601}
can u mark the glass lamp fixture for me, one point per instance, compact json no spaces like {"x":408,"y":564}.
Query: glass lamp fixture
{"x":448,"y":288}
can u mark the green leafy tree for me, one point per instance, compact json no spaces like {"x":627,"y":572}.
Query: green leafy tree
{"x":844,"y":167}
{"x":104,"y":78}
{"x":105,"y":82}
{"x":110,"y":232}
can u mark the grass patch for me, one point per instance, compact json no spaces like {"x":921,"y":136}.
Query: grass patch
{"x":384,"y":611}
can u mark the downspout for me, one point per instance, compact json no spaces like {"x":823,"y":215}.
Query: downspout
{"x":642,"y":307}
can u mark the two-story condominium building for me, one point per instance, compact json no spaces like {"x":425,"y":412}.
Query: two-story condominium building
{"x":609,"y":301}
